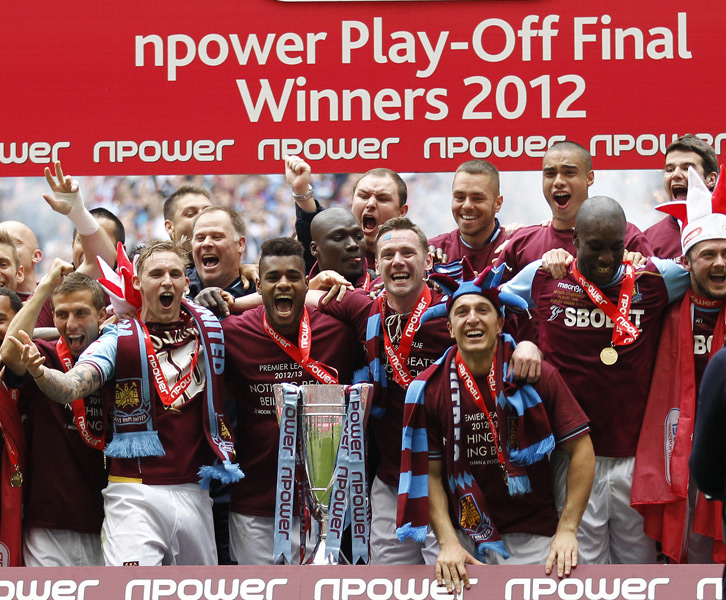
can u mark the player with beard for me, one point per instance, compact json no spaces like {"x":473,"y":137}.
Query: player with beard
{"x":168,"y":421}
{"x":687,"y":151}
{"x":14,"y":451}
{"x":611,"y":376}
{"x":281,"y":341}
{"x":475,"y":201}
{"x":399,"y":347}
{"x":506,"y":473}
{"x":65,"y":459}
{"x":566,"y":178}
{"x":338,"y":244}
{"x":688,"y":527}
{"x":378,"y":195}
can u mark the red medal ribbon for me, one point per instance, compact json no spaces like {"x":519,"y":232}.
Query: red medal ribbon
{"x":78,"y":406}
{"x":301,"y":353}
{"x":624,"y":332}
{"x":12,"y":450}
{"x":367,"y":281}
{"x":473,"y":389}
{"x":398,"y":357}
{"x":168,"y":395}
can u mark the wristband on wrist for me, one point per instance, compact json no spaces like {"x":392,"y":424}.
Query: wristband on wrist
{"x":39,"y":376}
{"x":84,"y":221}
{"x":302,"y":197}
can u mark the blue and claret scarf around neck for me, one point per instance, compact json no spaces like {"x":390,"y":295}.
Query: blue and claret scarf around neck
{"x":526,"y":438}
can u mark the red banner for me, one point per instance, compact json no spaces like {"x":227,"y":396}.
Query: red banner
{"x":614,"y":582}
{"x":230,"y":86}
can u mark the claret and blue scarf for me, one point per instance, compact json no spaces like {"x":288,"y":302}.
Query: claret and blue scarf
{"x":519,"y":409}
{"x":134,"y":429}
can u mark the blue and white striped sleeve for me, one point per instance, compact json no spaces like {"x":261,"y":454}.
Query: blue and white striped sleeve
{"x":677,"y":280}
{"x":102,"y":353}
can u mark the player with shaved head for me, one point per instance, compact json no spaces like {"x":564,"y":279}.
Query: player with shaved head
{"x":566,"y":179}
{"x":338,"y":244}
{"x":29,"y":253}
{"x":611,"y":375}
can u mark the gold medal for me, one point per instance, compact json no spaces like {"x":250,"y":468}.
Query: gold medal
{"x":609,"y":356}
{"x":16,"y":479}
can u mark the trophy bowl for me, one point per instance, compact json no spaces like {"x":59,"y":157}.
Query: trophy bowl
{"x":322,"y":413}
{"x":321,"y":416}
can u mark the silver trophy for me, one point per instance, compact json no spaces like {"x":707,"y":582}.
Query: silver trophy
{"x":321,"y":415}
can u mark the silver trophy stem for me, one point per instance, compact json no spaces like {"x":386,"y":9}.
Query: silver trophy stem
{"x":317,"y":557}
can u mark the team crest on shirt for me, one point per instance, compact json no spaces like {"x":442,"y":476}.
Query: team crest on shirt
{"x":637,"y":295}
{"x":471,"y":518}
{"x":127,"y":394}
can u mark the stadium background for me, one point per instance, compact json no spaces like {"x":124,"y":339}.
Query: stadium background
{"x":268,"y":209}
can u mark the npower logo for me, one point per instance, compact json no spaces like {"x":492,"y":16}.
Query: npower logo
{"x":383,"y":588}
{"x":631,"y":588}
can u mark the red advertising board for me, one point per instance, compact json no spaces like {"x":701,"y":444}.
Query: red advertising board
{"x":611,"y":582}
{"x":229,"y":86}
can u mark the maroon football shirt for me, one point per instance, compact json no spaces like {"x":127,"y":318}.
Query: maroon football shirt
{"x":572,"y":332}
{"x":534,"y":512}
{"x":455,"y":249}
{"x":254,"y":364}
{"x":64,"y":476}
{"x":181,"y":425}
{"x":529,"y":244}
{"x":665,"y":238}
{"x":431,"y":340}
{"x":704,"y":322}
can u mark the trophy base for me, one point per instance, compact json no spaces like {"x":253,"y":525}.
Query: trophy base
{"x":318,"y":555}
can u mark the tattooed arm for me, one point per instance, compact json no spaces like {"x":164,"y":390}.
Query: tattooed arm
{"x":79,"y":382}
{"x":64,"y":388}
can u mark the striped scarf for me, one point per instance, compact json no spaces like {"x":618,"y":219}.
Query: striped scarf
{"x":135,"y":434}
{"x":525,"y":436}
